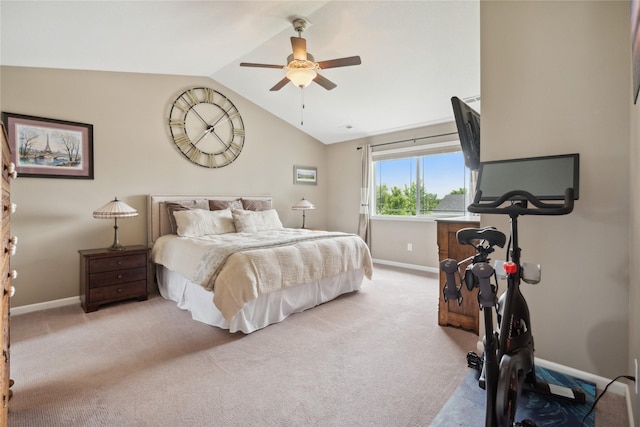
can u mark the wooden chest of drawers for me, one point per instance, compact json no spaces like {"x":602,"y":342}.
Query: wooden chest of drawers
{"x":7,"y":170}
{"x":108,"y":276}
{"x":467,"y":315}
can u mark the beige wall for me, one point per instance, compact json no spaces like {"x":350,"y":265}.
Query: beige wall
{"x":556,"y":79}
{"x":134,"y":156}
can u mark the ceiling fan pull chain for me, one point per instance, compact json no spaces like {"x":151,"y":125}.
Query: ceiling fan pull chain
{"x":302,"y":106}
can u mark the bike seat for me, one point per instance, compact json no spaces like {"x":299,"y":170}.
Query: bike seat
{"x":466,"y":236}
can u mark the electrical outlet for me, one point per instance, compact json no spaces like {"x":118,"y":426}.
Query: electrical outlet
{"x":409,"y":247}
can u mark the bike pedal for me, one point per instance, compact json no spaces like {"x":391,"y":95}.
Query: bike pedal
{"x":474,"y":361}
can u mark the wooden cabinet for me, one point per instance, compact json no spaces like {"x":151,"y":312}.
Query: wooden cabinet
{"x":108,"y":276}
{"x":8,"y":249}
{"x":467,"y":314}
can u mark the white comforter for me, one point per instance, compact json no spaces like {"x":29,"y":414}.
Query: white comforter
{"x":239,"y":267}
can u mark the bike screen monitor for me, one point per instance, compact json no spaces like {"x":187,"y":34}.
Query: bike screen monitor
{"x":546,"y":178}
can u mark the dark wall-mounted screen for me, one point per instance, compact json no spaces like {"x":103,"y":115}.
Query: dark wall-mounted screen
{"x":547,"y":177}
{"x":468,"y":124}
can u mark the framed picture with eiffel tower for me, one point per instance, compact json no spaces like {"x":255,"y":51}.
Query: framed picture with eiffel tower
{"x":49,"y":148}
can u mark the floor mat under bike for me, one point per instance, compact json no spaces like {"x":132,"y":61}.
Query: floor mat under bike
{"x":466,"y":407}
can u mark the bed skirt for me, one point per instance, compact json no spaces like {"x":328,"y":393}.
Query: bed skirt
{"x":258,"y":313}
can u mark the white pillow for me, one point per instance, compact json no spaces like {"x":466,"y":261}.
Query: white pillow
{"x":254,"y":221}
{"x":200,"y":222}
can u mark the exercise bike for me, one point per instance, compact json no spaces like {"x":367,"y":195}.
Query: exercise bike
{"x":508,"y":366}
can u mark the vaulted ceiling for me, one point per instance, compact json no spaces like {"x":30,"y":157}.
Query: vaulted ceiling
{"x":415,"y":55}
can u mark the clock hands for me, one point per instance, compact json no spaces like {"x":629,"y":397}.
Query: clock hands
{"x":220,"y":139}
{"x":208,"y":131}
{"x":228,"y":117}
{"x":224,"y":118}
{"x":204,"y":135}
{"x":200,"y":117}
{"x":211,"y":127}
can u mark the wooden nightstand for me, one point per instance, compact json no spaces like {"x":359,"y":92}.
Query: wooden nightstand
{"x":109,"y":276}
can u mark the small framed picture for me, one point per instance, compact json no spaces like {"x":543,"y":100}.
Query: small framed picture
{"x":49,"y":148}
{"x":305,"y":175}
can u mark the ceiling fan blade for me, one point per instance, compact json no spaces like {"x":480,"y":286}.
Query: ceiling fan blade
{"x":282,"y":83}
{"x":250,"y":64}
{"x":324,"y":82}
{"x":341,"y":62}
{"x":299,"y":46}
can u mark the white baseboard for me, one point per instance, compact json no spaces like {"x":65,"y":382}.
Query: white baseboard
{"x":23,"y":309}
{"x":408,"y":266}
{"x":617,"y":387}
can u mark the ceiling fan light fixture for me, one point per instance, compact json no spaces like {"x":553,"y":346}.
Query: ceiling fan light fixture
{"x":301,"y":77}
{"x":301,"y":66}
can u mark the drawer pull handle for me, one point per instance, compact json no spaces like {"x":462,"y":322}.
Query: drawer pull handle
{"x":119,"y":290}
{"x":11,"y":207}
{"x":11,"y":170}
{"x":119,"y":262}
{"x":119,"y":276}
{"x":12,"y":292}
{"x":11,"y":249}
{"x":13,"y":274}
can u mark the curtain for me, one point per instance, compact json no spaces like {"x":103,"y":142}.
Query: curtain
{"x":363,"y":224}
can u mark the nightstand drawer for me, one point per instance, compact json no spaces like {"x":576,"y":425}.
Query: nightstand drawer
{"x":116,"y":292}
{"x":117,"y":263}
{"x":117,"y":276}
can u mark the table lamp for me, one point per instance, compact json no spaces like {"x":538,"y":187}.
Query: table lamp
{"x":303,"y":205}
{"x":115,"y":209}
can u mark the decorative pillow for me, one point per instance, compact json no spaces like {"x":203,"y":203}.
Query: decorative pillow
{"x":254,"y":221}
{"x":201,"y":222}
{"x":181,"y":206}
{"x":256,"y":205}
{"x":216,"y":205}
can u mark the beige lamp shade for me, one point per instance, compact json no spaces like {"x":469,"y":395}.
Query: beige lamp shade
{"x":115,"y":209}
{"x":302,"y":205}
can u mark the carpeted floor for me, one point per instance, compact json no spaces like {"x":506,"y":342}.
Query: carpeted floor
{"x":372,"y":358}
{"x":375,"y":357}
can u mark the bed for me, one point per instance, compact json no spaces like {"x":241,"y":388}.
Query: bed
{"x":230,"y":262}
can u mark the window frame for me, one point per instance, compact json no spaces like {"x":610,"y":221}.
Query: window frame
{"x":408,"y":152}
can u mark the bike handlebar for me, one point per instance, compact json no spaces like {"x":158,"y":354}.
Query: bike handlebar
{"x":541,"y":208}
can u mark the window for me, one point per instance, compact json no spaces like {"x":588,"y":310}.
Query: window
{"x":425,"y":181}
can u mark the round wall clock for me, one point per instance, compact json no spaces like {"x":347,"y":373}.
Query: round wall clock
{"x":206,"y":127}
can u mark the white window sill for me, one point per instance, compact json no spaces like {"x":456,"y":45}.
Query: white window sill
{"x":423,"y":218}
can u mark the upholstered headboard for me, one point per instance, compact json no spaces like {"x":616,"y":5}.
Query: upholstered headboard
{"x":157,"y":217}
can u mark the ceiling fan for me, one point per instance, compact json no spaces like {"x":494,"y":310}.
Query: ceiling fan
{"x":301,"y":66}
